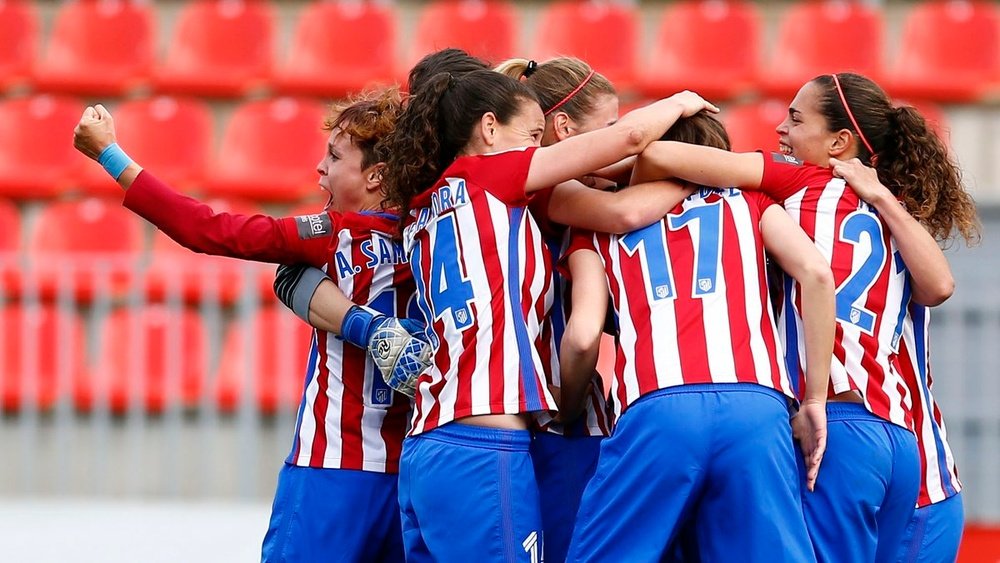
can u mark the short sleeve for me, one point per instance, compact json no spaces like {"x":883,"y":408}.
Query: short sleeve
{"x":579,"y":239}
{"x":538,"y":204}
{"x":503,"y":174}
{"x":759,"y":200}
{"x":785,"y":175}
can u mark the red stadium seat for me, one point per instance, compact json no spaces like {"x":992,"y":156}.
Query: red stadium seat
{"x":605,"y":34}
{"x":89,"y":247}
{"x":269,"y":151}
{"x":709,"y":46}
{"x":949,"y":51}
{"x":340,"y":47}
{"x":19,"y":28}
{"x":273,"y":347}
{"x":484,"y":28}
{"x":219,"y":48}
{"x":172,"y":137}
{"x":752,"y":126}
{"x":175,"y":270}
{"x":101,"y":47}
{"x":41,"y":346}
{"x":821,"y":38}
{"x":37,"y":158}
{"x":10,"y":248}
{"x":158,"y":352}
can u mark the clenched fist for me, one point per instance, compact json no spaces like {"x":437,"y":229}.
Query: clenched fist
{"x":95,"y":131}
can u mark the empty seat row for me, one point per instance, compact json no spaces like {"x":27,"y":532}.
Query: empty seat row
{"x":949,"y":49}
{"x":154,"y":358}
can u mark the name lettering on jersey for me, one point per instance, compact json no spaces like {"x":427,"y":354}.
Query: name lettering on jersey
{"x":314,"y":226}
{"x":785,"y":159}
{"x":378,"y":250}
{"x":704,"y":192}
{"x":453,"y":194}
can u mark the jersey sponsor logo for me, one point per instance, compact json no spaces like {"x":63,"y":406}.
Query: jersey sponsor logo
{"x":785,"y":159}
{"x":314,"y":226}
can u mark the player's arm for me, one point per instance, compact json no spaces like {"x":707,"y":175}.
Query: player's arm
{"x":581,"y":154}
{"x":582,"y":337}
{"x":930,"y":274}
{"x":705,"y":166}
{"x":191,"y":223}
{"x":792,"y":249}
{"x":576,"y":205}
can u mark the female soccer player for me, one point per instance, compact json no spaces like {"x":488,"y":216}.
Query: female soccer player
{"x":460,"y":165}
{"x":870,"y":480}
{"x":700,"y":391}
{"x":337,"y":489}
{"x":935,"y":531}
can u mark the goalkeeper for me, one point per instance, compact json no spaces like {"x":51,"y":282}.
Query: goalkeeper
{"x":336,"y":493}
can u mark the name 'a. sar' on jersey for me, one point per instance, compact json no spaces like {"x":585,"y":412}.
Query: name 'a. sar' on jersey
{"x":870,"y":277}
{"x":691,"y":296}
{"x":349,"y":418}
{"x":484,"y":285}
{"x":938,"y":472}
{"x":595,"y":420}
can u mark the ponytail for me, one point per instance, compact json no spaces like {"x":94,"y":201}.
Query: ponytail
{"x":914,"y":163}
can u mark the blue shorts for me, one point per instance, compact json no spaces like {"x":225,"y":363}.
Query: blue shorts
{"x":468,"y":493}
{"x":718,"y":457}
{"x":866,"y":490}
{"x":334,"y":515}
{"x":934,"y":533}
{"x":563,"y":467}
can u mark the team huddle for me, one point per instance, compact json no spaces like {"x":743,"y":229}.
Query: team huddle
{"x":771,"y":394}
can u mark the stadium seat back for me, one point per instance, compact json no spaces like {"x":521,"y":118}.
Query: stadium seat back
{"x":269,"y":151}
{"x":484,"y":28}
{"x":709,"y":46}
{"x":824,"y":37}
{"x":19,"y":29}
{"x":172,"y":137}
{"x":752,"y":126}
{"x":605,"y":34}
{"x":37,"y":158}
{"x":273,"y":345}
{"x":99,"y":47}
{"x":340,"y":47}
{"x":220,"y":47}
{"x":167,"y":348}
{"x":10,"y":227}
{"x":41,"y":347}
{"x":949,"y":51}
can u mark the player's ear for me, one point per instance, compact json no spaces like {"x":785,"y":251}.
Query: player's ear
{"x":561,"y":123}
{"x":373,"y":176}
{"x":488,"y":128}
{"x":840,"y":142}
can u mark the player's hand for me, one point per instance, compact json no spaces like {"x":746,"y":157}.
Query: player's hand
{"x":692,"y":103}
{"x":809,"y":428}
{"x":862,"y":179}
{"x":400,"y":352}
{"x":95,"y":131}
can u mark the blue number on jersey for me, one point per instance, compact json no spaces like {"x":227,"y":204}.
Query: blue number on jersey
{"x":707,"y":243}
{"x":385,"y":303}
{"x":449,"y":290}
{"x":850,"y":294}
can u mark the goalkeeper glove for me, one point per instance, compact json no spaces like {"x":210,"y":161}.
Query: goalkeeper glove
{"x":395,"y":346}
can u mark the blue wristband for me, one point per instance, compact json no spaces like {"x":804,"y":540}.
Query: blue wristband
{"x":114,"y":160}
{"x":357,"y":325}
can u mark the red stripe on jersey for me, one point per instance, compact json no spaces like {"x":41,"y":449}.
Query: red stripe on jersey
{"x":736,"y":298}
{"x":689,"y":313}
{"x":354,"y":374}
{"x":318,"y":450}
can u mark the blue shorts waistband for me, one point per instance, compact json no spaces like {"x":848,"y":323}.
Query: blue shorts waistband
{"x":715,"y":388}
{"x":478,"y":436}
{"x":839,"y":410}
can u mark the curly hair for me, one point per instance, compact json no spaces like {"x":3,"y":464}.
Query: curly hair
{"x":368,"y":118}
{"x":437,"y":123}
{"x":911,"y":159}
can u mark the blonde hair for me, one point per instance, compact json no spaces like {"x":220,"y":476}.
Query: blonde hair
{"x":555,"y":79}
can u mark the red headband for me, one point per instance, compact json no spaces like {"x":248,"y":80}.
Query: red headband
{"x":850,"y":115}
{"x":571,"y":94}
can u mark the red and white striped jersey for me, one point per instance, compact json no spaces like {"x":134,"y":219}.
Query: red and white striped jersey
{"x":348,"y":417}
{"x":691,"y":296}
{"x":484,"y":285}
{"x":939,"y":476}
{"x":595,"y":420}
{"x":869,"y":275}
